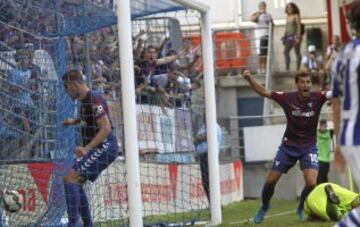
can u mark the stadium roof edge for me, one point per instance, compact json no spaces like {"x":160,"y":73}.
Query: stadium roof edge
{"x":195,"y":4}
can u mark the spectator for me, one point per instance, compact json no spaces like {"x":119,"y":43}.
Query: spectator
{"x":263,"y":21}
{"x":312,"y":63}
{"x":324,"y":142}
{"x":332,"y":52}
{"x":21,"y":83}
{"x":201,"y":148}
{"x":151,"y":61}
{"x":292,"y":36}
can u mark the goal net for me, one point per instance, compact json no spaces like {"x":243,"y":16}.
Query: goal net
{"x":40,"y":40}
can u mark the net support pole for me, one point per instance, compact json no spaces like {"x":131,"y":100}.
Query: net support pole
{"x":210,"y":111}
{"x":129,"y":107}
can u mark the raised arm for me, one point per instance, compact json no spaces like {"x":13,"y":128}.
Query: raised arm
{"x":261,"y":90}
{"x":255,"y":17}
{"x":167,"y":59}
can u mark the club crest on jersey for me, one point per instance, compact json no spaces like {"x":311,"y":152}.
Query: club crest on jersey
{"x":310,"y":104}
{"x":99,"y":109}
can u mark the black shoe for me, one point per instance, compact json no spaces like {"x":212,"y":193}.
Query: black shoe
{"x":332,"y":197}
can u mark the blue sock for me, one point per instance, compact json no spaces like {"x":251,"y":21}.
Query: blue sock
{"x":72,"y":195}
{"x":85,"y":211}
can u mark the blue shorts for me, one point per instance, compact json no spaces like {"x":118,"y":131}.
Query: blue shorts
{"x":286,"y":157}
{"x":93,"y":163}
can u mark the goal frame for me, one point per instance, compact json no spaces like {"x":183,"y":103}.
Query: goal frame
{"x":129,"y":108}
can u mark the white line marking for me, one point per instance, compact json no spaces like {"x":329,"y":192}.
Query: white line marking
{"x":248,"y":220}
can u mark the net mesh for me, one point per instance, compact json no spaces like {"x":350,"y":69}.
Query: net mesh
{"x":40,"y":40}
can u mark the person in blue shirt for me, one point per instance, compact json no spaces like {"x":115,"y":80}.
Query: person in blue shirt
{"x":201,"y":148}
{"x":23,"y":80}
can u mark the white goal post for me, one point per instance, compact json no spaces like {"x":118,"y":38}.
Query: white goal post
{"x":129,"y":107}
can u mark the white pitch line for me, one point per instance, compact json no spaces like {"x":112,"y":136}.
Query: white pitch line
{"x":267,"y":216}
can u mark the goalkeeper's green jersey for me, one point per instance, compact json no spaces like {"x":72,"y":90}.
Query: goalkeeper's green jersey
{"x":324,"y":145}
{"x":315,"y":203}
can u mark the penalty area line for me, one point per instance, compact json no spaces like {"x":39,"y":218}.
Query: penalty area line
{"x":248,"y":220}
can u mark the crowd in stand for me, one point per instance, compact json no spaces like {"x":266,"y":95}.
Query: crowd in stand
{"x":163,"y":76}
{"x":159,"y":69}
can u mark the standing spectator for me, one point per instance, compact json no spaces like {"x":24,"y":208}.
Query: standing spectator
{"x":324,"y":142}
{"x":201,"y":148}
{"x":292,"y":36}
{"x":332,"y":52}
{"x":312,"y":63}
{"x":263,"y":21}
{"x":21,"y":83}
{"x":331,"y":55}
{"x":346,"y":88}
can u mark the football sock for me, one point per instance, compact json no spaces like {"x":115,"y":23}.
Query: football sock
{"x":85,"y":211}
{"x":305,"y":192}
{"x":72,"y":196}
{"x":267,"y":193}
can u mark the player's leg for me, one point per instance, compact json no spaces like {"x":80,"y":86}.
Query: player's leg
{"x":332,"y":201}
{"x":310,"y":176}
{"x":267,"y":192}
{"x":72,"y":189}
{"x":90,"y":167}
{"x":281,"y":164}
{"x":323,"y":172}
{"x":85,"y":211}
{"x":352,"y":157}
{"x":272,"y":178}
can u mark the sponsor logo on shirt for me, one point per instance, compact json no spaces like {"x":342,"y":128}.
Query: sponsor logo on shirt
{"x":297,"y":112}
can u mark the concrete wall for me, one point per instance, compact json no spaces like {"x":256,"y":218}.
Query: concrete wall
{"x":289,"y":186}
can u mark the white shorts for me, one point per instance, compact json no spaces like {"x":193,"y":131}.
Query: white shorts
{"x":352,"y":157}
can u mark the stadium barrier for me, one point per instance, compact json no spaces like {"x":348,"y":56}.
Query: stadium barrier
{"x":166,"y":191}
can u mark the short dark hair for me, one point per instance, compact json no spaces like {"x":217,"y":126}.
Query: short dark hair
{"x":301,"y":74}
{"x":73,"y":76}
{"x":323,"y":121}
{"x":354,"y":16}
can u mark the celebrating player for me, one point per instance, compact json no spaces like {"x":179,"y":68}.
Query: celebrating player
{"x":99,"y":148}
{"x":302,"y":110}
{"x":345,"y":86}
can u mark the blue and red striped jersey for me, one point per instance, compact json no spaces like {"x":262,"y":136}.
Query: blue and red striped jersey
{"x":93,"y":107}
{"x":302,"y":116}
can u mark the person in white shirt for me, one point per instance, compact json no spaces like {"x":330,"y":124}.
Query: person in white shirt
{"x":262,"y":33}
{"x":313,"y":63}
{"x":346,"y":111}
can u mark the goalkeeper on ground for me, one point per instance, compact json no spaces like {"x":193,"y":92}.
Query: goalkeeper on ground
{"x":330,"y":202}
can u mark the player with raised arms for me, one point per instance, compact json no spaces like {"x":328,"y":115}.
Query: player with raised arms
{"x":99,"y":148}
{"x":302,"y":110}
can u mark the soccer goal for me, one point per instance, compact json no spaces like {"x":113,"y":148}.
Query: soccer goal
{"x":142,"y":57}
